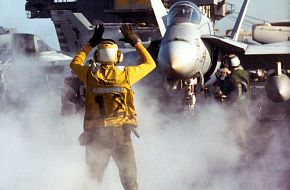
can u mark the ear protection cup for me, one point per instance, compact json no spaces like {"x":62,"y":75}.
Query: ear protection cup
{"x":96,"y":57}
{"x":120,"y":56}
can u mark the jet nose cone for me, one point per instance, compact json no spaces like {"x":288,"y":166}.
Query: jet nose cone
{"x":177,"y":59}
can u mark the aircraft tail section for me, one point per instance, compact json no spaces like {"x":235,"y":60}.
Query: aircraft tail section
{"x":73,"y":29}
{"x":160,"y":13}
{"x":240,"y":19}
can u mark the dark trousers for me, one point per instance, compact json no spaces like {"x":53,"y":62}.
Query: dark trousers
{"x":115,"y":142}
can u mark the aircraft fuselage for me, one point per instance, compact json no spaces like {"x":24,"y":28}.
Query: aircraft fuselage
{"x":182,"y":53}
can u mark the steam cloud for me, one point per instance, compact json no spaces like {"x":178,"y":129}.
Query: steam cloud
{"x":39,"y":148}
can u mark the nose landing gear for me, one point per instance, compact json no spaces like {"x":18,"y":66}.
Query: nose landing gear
{"x":181,"y":93}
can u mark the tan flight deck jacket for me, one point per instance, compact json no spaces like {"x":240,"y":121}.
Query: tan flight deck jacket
{"x":109,"y":97}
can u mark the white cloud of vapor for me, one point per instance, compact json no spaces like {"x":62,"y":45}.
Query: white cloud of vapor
{"x":176,"y":151}
{"x":39,"y":149}
{"x":204,"y":152}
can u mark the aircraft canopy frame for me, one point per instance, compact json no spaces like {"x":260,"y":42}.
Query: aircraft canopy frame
{"x":183,"y":12}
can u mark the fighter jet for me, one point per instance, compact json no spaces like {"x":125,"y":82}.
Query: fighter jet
{"x":189,"y":50}
{"x":14,"y":45}
{"x":29,"y":45}
{"x":28,"y":52}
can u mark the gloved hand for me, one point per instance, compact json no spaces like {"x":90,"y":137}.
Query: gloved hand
{"x":97,"y":36}
{"x":129,"y":36}
{"x":129,"y":128}
{"x":85,"y":138}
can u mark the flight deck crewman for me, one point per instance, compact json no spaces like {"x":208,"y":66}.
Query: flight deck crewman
{"x":233,"y":81}
{"x":240,"y":80}
{"x":236,"y":87}
{"x":110,"y":114}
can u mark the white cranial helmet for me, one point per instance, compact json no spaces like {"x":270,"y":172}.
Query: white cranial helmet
{"x":235,"y":61}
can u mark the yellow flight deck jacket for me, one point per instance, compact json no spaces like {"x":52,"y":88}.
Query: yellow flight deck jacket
{"x":109,"y":97}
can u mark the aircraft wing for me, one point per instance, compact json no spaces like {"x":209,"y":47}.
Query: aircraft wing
{"x":225,"y":44}
{"x":253,"y":56}
{"x":229,"y":45}
{"x":51,"y":56}
{"x":269,"y":49}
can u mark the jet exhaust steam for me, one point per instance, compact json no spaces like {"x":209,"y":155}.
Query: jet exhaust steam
{"x":39,"y":149}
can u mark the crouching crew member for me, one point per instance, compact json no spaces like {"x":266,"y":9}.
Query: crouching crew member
{"x":240,"y":80}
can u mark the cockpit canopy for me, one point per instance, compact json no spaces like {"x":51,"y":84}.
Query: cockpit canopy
{"x":183,"y":11}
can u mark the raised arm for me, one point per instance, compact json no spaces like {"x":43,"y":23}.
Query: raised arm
{"x":77,"y":64}
{"x":147,"y":65}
